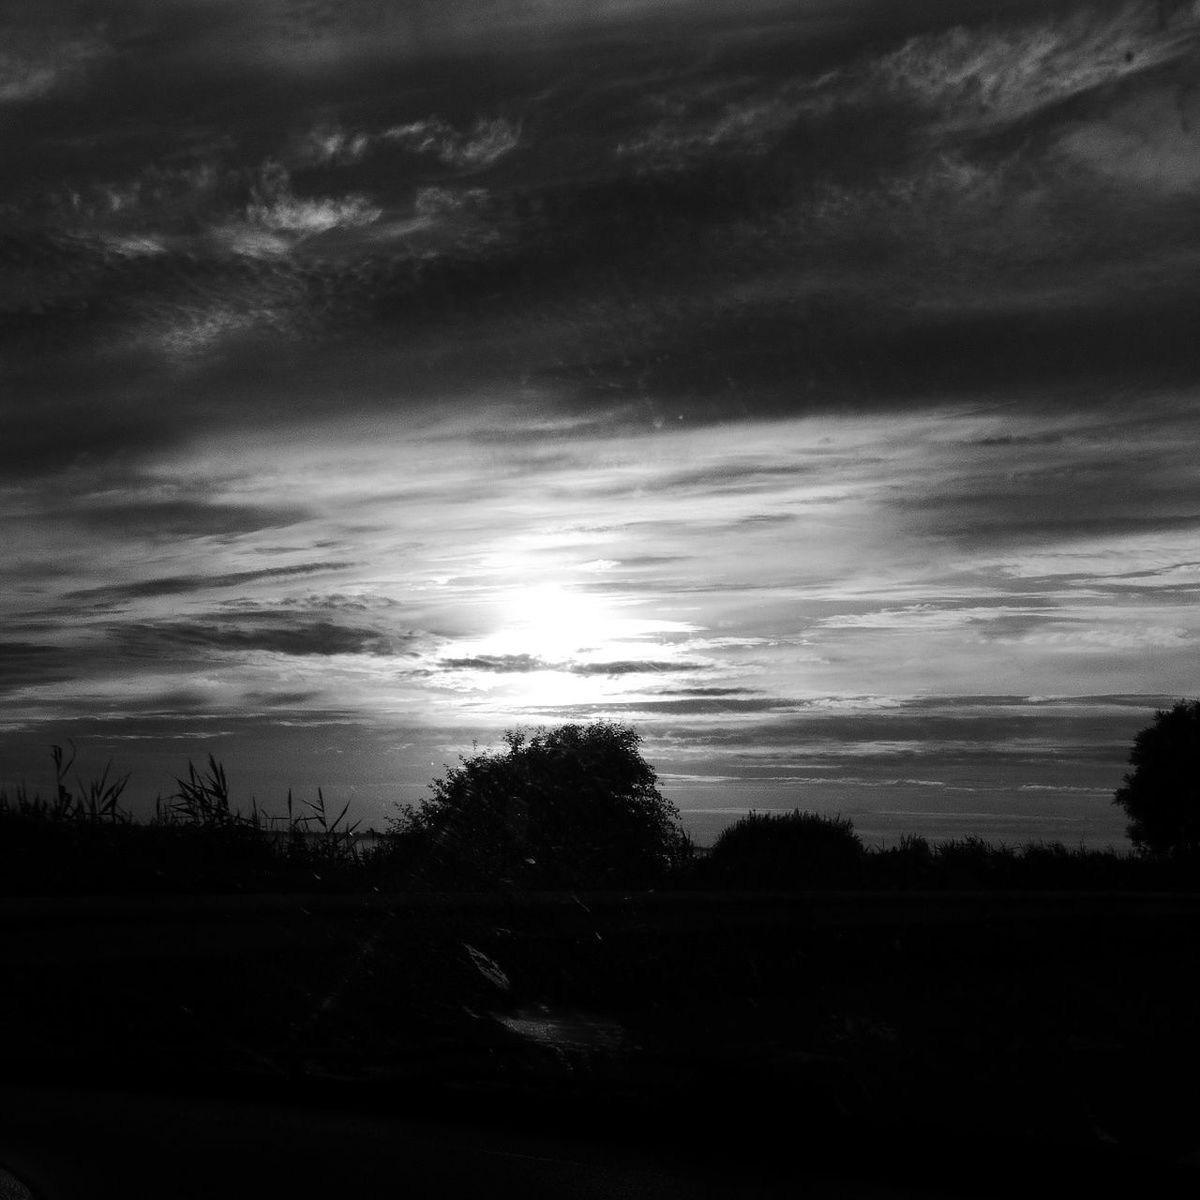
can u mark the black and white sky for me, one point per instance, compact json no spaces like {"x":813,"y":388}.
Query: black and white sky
{"x":811,"y":384}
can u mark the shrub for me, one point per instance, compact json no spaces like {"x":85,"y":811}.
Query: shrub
{"x":786,"y":850}
{"x":572,"y":807}
{"x":907,"y":865}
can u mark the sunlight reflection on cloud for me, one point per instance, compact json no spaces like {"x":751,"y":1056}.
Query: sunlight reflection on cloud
{"x":844,"y":598}
{"x":808,"y":391}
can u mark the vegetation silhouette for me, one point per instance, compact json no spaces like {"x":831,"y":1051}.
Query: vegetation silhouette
{"x":572,"y":807}
{"x":1161,"y":796}
{"x":82,"y":840}
{"x":789,"y":850}
{"x":824,"y":1018}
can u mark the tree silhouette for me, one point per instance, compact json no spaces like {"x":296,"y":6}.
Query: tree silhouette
{"x":575,"y":806}
{"x":786,"y":850}
{"x":1161,"y":796}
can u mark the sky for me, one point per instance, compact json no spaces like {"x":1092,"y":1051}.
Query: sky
{"x":811,"y":385}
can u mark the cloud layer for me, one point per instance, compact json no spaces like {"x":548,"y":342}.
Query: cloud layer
{"x":819,"y":412}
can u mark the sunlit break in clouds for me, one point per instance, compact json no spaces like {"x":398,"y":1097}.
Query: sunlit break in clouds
{"x":812,"y":386}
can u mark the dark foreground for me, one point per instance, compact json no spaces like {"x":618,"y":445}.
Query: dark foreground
{"x":855,"y":1044}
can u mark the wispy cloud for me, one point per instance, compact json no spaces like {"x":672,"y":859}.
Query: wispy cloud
{"x":181,"y":585}
{"x":503,"y":664}
{"x":172,"y":519}
{"x":39,"y":60}
{"x":816,"y":400}
{"x":284,"y":634}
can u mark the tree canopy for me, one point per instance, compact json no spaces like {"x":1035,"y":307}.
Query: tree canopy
{"x":574,"y":806}
{"x":786,"y":850}
{"x":1161,"y":796}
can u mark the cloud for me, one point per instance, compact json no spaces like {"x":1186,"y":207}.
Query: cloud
{"x":24,"y":663}
{"x":634,"y":667}
{"x":1148,"y":141}
{"x":715,"y":705}
{"x":487,"y":141}
{"x":507,"y":664}
{"x":330,"y":144}
{"x":273,"y":205}
{"x":179,"y":585}
{"x":284,"y":700}
{"x":826,"y":371}
{"x":545,"y":299}
{"x":710,"y":692}
{"x":746,"y":120}
{"x":1050,"y":787}
{"x":287,"y":214}
{"x":15,"y":653}
{"x":35,"y":64}
{"x":987,"y":76}
{"x":737,"y":475}
{"x":170,"y":519}
{"x":282,"y":634}
{"x":501,"y":664}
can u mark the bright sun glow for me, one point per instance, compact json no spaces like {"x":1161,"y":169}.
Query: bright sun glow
{"x":551,"y":642}
{"x":551,"y":622}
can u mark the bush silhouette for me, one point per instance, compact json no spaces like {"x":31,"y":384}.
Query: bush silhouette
{"x":572,"y":807}
{"x":786,"y":850}
{"x":1161,"y":796}
{"x":910,"y":864}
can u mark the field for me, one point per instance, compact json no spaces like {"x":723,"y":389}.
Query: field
{"x":848,"y":1029}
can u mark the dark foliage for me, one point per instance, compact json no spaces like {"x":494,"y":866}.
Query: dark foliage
{"x":1161,"y":796}
{"x":786,"y":850}
{"x":83,"y":841}
{"x":572,"y":807}
{"x":910,"y":864}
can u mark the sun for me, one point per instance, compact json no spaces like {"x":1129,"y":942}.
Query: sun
{"x":551,"y":645}
{"x":552,"y":622}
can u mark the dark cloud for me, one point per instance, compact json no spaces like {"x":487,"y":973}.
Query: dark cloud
{"x":650,"y":560}
{"x":505,"y":664}
{"x":712,"y":214}
{"x":182,"y":585}
{"x":1007,"y":626}
{"x":1086,"y":525}
{"x":1044,"y":439}
{"x":1140,"y":700}
{"x":762,"y":358}
{"x":500,"y":664}
{"x":281,"y":699}
{"x":24,"y":663}
{"x":713,"y":691}
{"x":59,"y":415}
{"x":975,"y":524}
{"x":947,"y":729}
{"x":697,"y":705}
{"x":166,"y":704}
{"x":16,"y":653}
{"x":180,"y":701}
{"x":1115,"y":477}
{"x":635,"y":667}
{"x":968,"y":703}
{"x":734,"y":477}
{"x":182,"y":518}
{"x":284,"y":634}
{"x":775,"y":273}
{"x":553,"y":272}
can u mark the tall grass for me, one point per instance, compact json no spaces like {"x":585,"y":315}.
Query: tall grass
{"x":81,"y":837}
{"x":94,"y":802}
